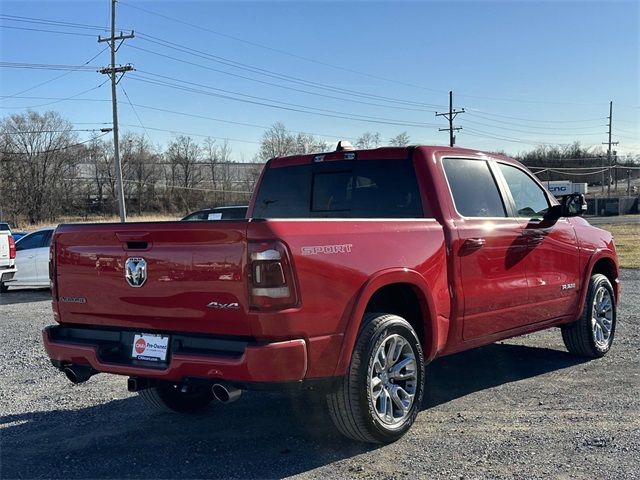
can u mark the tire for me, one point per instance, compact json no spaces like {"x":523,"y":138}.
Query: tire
{"x":3,"y":288}
{"x":362,"y":394}
{"x":168,"y":397}
{"x":592,"y":334}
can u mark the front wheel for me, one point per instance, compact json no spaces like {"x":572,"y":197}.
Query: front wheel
{"x":167,"y":397}
{"x":3,"y":288}
{"x":592,"y":334}
{"x":380,"y":396}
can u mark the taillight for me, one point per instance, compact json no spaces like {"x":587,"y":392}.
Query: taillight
{"x":271,"y":278}
{"x":12,"y":247}
{"x":52,"y":270}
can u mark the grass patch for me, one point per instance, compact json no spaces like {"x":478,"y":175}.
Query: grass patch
{"x":627,"y":239}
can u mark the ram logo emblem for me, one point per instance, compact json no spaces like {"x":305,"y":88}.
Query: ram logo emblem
{"x":135,"y":271}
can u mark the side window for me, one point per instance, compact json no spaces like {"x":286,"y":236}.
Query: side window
{"x":473,"y":187}
{"x":529,"y":198}
{"x":35,"y":240}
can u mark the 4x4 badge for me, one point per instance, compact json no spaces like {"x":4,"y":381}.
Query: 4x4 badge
{"x":135,"y":271}
{"x":224,"y":306}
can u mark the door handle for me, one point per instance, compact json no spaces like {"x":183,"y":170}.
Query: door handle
{"x":31,"y":256}
{"x":473,"y":243}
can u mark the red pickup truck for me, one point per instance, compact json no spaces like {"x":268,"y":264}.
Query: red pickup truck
{"x":353,"y":270}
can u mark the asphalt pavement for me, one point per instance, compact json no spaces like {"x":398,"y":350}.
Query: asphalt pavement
{"x":523,"y":408}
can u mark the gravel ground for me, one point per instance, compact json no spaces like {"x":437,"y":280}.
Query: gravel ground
{"x":523,"y":408}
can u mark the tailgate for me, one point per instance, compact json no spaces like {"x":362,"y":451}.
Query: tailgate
{"x":4,"y":250}
{"x":183,"y":276}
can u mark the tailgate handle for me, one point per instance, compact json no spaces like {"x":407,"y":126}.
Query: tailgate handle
{"x":133,"y":236}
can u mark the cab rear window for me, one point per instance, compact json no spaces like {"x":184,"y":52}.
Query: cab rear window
{"x":341,"y":189}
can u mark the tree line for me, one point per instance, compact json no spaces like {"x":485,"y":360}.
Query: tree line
{"x":47,"y":171}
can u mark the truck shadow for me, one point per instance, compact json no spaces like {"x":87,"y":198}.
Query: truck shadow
{"x":461,"y":374}
{"x":24,"y":295}
{"x":264,"y":435}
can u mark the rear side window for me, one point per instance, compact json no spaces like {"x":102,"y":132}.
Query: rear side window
{"x":341,"y":189}
{"x":34,"y":240}
{"x":473,"y":187}
{"x":234,"y":213}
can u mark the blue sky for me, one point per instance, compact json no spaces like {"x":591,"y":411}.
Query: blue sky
{"x":526,"y":72}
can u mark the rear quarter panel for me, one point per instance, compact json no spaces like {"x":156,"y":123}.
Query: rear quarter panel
{"x":332,"y":286}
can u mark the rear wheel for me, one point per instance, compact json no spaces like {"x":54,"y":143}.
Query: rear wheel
{"x":380,"y":397}
{"x":592,"y":334}
{"x":168,"y":397}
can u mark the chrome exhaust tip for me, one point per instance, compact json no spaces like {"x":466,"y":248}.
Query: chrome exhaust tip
{"x":225,"y":393}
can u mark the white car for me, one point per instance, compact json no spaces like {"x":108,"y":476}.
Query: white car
{"x":32,"y":259}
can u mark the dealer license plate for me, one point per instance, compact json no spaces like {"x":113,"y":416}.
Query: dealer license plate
{"x":150,"y":347}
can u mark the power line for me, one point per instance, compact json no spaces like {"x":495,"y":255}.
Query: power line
{"x":475,"y":111}
{"x":528,"y":132}
{"x":58,"y":100}
{"x":48,"y":66}
{"x":192,"y":134}
{"x":78,"y":34}
{"x":263,"y":82}
{"x":482,"y":134}
{"x":259,"y":98}
{"x":57,"y":77}
{"x":56,"y":149}
{"x":339,"y":67}
{"x":44,"y":21}
{"x":534,"y":127}
{"x":244,"y":124}
{"x":301,"y":57}
{"x":191,"y":115}
{"x":283,"y":52}
{"x":276,"y":75}
{"x":285,"y":105}
{"x":20,"y":132}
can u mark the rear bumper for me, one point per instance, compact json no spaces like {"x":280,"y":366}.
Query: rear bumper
{"x":262,"y":363}
{"x":7,"y":274}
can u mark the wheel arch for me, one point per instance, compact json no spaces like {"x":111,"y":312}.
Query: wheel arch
{"x":603,"y":262}
{"x":378,"y":292}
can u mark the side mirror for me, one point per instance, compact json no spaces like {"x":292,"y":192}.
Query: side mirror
{"x":572,"y":205}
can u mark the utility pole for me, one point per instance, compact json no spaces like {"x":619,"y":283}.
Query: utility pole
{"x":450,"y":115}
{"x":113,"y":72}
{"x":615,"y":171}
{"x":610,"y":143}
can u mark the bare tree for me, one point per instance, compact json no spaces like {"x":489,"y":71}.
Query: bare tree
{"x":216,"y":155}
{"x":141,"y":172}
{"x":369,"y":140}
{"x":400,"y":140}
{"x":184,"y":156}
{"x":276,"y":142}
{"x":306,"y":143}
{"x":40,"y":151}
